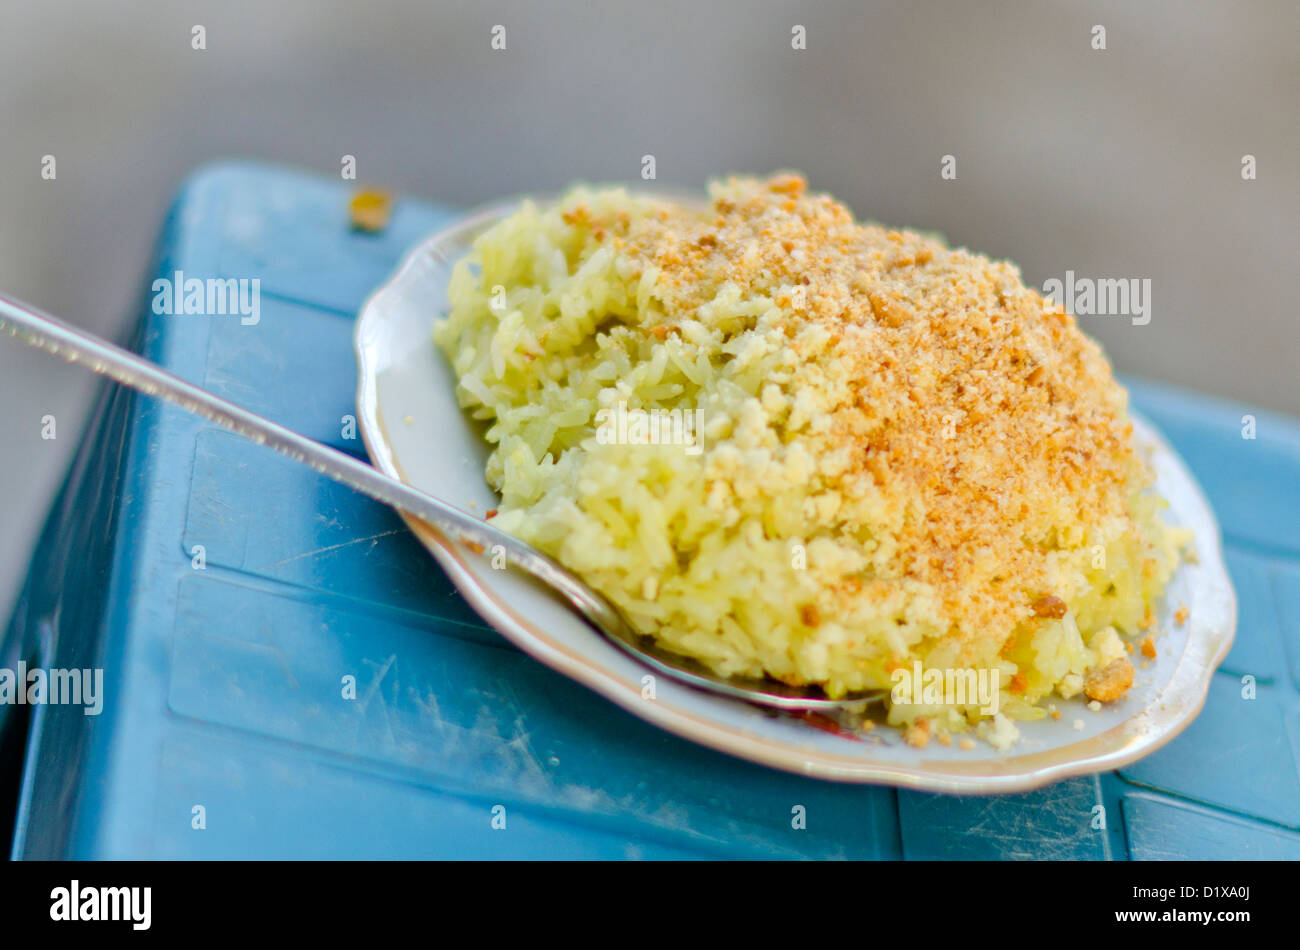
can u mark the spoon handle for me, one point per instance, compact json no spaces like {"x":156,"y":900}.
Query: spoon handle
{"x":48,"y":333}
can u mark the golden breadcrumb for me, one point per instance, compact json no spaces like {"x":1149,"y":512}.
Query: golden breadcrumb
{"x":971,"y":402}
{"x":1110,"y":682}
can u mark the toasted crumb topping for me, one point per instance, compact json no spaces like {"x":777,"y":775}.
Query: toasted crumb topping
{"x":1050,"y":606}
{"x":929,"y":383}
{"x":918,"y":734}
{"x":1110,"y":682}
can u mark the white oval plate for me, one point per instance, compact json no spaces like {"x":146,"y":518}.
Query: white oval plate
{"x":414,"y":430}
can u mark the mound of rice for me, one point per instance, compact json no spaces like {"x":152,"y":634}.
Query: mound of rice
{"x":790,"y":444}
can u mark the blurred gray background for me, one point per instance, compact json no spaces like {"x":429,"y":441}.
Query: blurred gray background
{"x":1117,"y":163}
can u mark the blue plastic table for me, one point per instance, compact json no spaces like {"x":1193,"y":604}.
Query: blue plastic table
{"x":224,"y":685}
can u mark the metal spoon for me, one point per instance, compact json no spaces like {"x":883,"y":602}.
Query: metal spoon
{"x":45,"y":332}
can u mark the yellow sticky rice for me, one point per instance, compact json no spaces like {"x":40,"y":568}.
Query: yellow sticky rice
{"x":904,"y":454}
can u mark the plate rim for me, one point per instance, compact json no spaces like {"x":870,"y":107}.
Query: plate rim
{"x":1096,"y":754}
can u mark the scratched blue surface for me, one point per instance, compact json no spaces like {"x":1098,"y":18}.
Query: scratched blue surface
{"x":224,"y":684}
